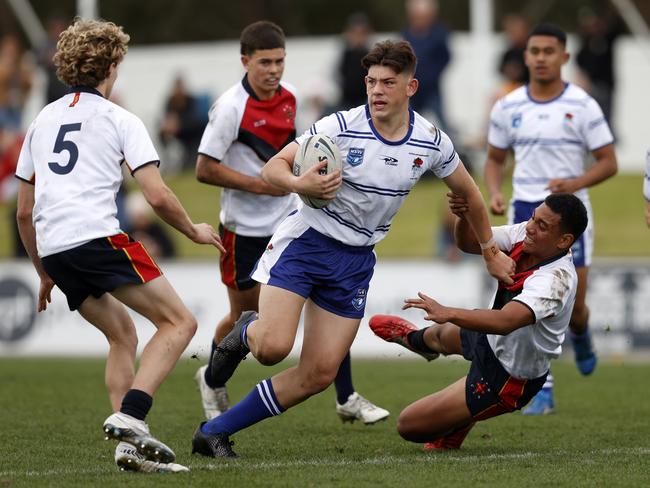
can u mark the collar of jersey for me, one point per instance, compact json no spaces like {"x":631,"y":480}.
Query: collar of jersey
{"x":542,"y":102}
{"x":84,"y":89}
{"x":386,"y":141}
{"x":249,"y":88}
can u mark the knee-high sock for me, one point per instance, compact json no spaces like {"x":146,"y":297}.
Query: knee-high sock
{"x":343,"y":380}
{"x":258,"y":405}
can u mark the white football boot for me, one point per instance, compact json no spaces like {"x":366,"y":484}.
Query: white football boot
{"x":128,"y":458}
{"x":215,"y":400}
{"x":124,"y":428}
{"x":358,"y":408}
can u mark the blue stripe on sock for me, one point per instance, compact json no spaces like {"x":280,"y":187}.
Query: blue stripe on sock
{"x":268,"y":389}
{"x":244,"y":337}
{"x":261,"y":403}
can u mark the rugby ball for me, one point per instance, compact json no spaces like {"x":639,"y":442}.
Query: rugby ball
{"x":314,"y":150}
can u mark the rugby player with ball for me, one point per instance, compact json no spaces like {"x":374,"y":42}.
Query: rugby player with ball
{"x":321,"y":259}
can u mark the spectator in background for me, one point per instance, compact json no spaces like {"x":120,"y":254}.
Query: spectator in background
{"x":16,"y":76}
{"x":512,"y":65}
{"x":144,"y":227}
{"x":10,"y":143}
{"x":183,"y":121}
{"x":598,"y":34}
{"x":54,"y":89}
{"x":428,"y":36}
{"x":350,"y":72}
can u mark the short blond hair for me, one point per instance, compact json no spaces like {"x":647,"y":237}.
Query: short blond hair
{"x":86,"y":49}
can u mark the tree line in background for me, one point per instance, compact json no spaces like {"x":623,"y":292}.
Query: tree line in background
{"x":169,"y":21}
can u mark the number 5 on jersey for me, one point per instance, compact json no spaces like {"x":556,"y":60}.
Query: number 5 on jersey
{"x":62,"y":145}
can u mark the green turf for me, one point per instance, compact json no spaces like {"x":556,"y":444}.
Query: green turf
{"x":52,"y":410}
{"x":618,"y":209}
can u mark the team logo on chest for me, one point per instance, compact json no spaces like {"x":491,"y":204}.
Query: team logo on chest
{"x":360,"y":299}
{"x":516,"y":120}
{"x":389,"y":160}
{"x":568,"y":121}
{"x":289,"y":113}
{"x":355,"y":156}
{"x":416,"y":168}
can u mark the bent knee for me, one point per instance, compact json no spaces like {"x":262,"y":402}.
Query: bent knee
{"x":405,"y":428}
{"x":123,"y":336}
{"x":319,"y":379}
{"x":189,"y":325}
{"x":271,"y":352}
{"x":410,"y":429}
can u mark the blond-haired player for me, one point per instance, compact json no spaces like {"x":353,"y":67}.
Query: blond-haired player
{"x":70,"y":169}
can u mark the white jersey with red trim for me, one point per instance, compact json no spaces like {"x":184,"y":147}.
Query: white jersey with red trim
{"x":549,"y":291}
{"x":550,"y":139}
{"x":377,"y":174}
{"x":243,"y":133}
{"x":73,"y":153}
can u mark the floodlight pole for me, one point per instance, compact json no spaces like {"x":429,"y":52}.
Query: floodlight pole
{"x":635,"y":21}
{"x":481,"y":21}
{"x":29,"y":20}
{"x":88,"y":9}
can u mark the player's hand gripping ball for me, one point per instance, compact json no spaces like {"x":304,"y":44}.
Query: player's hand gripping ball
{"x":314,"y":150}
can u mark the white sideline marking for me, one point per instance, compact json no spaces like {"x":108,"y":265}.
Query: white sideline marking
{"x":377,"y":461}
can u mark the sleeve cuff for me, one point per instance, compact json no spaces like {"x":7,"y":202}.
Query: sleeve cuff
{"x":31,"y":182}
{"x":157,"y":163}
{"x":528,"y":307}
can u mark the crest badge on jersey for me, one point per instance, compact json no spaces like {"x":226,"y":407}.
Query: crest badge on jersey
{"x":516,"y":120}
{"x":416,"y":168}
{"x":355,"y":156}
{"x":359,"y":300}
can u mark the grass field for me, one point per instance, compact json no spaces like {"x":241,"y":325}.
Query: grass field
{"x":52,"y":410}
{"x":618,"y":209}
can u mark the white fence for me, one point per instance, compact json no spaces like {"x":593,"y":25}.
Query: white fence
{"x":618,"y":297}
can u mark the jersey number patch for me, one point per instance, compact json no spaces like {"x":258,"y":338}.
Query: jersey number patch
{"x":62,"y":145}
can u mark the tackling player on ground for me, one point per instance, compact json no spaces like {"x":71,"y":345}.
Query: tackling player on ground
{"x":248,"y":125}
{"x":70,"y":169}
{"x":322,"y":260}
{"x":552,"y":127}
{"x":511,"y":345}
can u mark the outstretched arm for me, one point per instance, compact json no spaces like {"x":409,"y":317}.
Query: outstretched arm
{"x":498,"y":264}
{"x":512,"y":316}
{"x":168,"y":208}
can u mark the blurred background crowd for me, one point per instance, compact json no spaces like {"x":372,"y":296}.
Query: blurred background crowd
{"x":29,"y":31}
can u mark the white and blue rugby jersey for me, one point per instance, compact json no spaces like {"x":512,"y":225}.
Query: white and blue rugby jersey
{"x":550,"y":139}
{"x":73,"y":153}
{"x":377,"y":174}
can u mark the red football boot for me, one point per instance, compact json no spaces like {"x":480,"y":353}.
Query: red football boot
{"x":392,"y":328}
